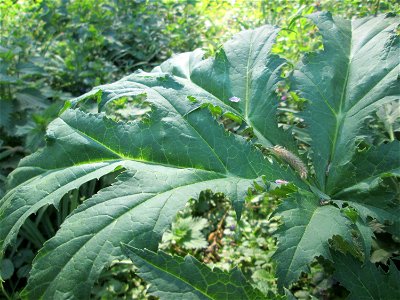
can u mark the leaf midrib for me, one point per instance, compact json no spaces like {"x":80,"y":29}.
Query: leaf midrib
{"x":247,"y":98}
{"x":129,"y":158}
{"x":259,"y":135}
{"x":341,"y":115}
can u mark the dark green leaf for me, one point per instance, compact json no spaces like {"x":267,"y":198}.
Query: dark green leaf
{"x":305,"y":233}
{"x":173,"y":277}
{"x":366,"y":281}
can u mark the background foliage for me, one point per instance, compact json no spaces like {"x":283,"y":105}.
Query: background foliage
{"x":51,"y":51}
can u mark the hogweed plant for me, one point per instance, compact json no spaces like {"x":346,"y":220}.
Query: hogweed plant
{"x":178,"y":149}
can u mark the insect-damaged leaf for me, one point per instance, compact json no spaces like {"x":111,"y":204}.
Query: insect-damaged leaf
{"x":168,"y":157}
{"x":178,"y":149}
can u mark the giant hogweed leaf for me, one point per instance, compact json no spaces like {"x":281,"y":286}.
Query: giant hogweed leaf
{"x":18,"y":204}
{"x":368,"y":167}
{"x":359,"y":74}
{"x":356,"y":73}
{"x":136,"y":210}
{"x":364,"y":190}
{"x":182,"y":64}
{"x":174,"y":277}
{"x":245,"y":68}
{"x":366,"y":282}
{"x":195,"y":155}
{"x":173,"y":155}
{"x":308,"y":226}
{"x":181,"y":140}
{"x":305,"y":233}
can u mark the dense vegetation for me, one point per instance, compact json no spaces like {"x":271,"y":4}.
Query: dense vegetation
{"x":324,"y":173}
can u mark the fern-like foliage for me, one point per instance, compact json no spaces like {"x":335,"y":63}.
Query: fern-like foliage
{"x":179,"y":149}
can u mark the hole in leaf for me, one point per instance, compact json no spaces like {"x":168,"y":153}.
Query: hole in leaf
{"x":128,"y":108}
{"x":301,"y":32}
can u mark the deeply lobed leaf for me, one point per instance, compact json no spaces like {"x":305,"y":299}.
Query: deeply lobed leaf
{"x":347,"y":81}
{"x":180,"y":150}
{"x":305,"y":234}
{"x":356,"y":73}
{"x":168,"y":158}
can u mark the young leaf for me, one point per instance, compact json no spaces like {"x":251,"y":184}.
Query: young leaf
{"x":173,"y":277}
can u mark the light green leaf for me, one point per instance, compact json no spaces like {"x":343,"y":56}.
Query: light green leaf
{"x":186,"y":232}
{"x":174,"y":277}
{"x":181,"y":65}
{"x":389,"y":115}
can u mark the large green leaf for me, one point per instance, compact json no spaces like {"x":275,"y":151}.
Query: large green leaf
{"x":365,"y":189}
{"x":355,"y":74}
{"x":168,"y":157}
{"x":246,"y":69}
{"x":178,"y":149}
{"x":144,"y":200}
{"x":130,"y":211}
{"x":174,"y":277}
{"x":305,"y":234}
